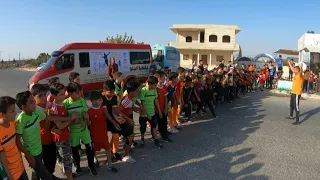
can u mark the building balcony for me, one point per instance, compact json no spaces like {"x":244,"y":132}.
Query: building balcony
{"x":206,"y":46}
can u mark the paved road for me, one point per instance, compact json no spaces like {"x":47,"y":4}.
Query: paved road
{"x":13,"y":81}
{"x":250,"y":140}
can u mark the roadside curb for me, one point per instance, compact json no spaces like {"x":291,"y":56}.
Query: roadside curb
{"x":304,"y":95}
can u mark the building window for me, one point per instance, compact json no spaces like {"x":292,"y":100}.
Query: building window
{"x":195,"y":57}
{"x":202,"y":37}
{"x":188,"y":39}
{"x":226,"y":39}
{"x":186,"y":57}
{"x":213,"y":38}
{"x":219,"y":58}
{"x":84,"y":59}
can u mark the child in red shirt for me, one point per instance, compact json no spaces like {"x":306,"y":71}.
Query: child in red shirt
{"x":52,"y":81}
{"x":163,"y":104}
{"x":98,"y":128}
{"x":57,"y":91}
{"x":262,"y":80}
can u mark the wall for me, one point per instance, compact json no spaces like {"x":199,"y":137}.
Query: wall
{"x":227,"y":56}
{"x":183,"y":34}
{"x":308,"y":40}
{"x":195,"y":44}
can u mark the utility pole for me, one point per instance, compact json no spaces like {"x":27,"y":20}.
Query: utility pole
{"x":0,"y":55}
{"x":19,"y":56}
{"x":9,"y":57}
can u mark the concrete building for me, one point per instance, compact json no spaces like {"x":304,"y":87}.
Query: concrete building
{"x":209,"y":43}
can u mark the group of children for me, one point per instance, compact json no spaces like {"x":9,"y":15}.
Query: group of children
{"x":53,"y":125}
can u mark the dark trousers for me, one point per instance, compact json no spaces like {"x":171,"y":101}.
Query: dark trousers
{"x":200,"y":106}
{"x":271,"y":82}
{"x":89,"y":153}
{"x":305,"y":85}
{"x":187,"y":108}
{"x":49,"y":153}
{"x":162,"y":125}
{"x":290,"y":76}
{"x":231,"y":93}
{"x":294,"y":105}
{"x":209,"y":103}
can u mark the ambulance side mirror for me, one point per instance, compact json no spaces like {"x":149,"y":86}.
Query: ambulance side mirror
{"x":52,"y":68}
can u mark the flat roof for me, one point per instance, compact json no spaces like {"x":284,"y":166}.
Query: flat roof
{"x":175,"y":27}
{"x":288,"y":52}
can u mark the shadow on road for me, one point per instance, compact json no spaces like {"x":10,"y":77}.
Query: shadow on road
{"x":204,"y":150}
{"x":309,"y":114}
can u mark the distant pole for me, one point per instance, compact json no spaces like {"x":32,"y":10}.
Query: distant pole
{"x":9,"y":56}
{"x":19,"y":56}
{"x":0,"y":55}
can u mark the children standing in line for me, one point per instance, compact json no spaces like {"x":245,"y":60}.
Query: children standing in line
{"x":109,"y":99}
{"x":187,"y":91}
{"x":163,"y":105}
{"x":52,"y":81}
{"x":119,"y":85}
{"x":149,"y":102}
{"x":61,"y":139}
{"x":75,"y":77}
{"x":98,"y":130}
{"x":48,"y":146}
{"x":75,"y":103}
{"x":12,"y":160}
{"x":28,"y":132}
{"x":126,"y":105}
{"x":173,"y":101}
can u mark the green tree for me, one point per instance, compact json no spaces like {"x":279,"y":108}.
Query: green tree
{"x":240,"y":52}
{"x":120,"y":39}
{"x":2,"y":61}
{"x":14,"y":60}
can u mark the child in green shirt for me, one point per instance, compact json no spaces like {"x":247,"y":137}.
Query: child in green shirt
{"x":149,"y":101}
{"x":80,"y":131}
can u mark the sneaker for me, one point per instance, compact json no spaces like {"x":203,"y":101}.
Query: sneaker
{"x":189,"y":122}
{"x":290,"y":117}
{"x":128,"y":159}
{"x":93,"y":171}
{"x":158,"y":144}
{"x":166,"y":139}
{"x":55,"y":178}
{"x":79,"y":171}
{"x":296,"y":123}
{"x":60,"y":163}
{"x":97,"y":164}
{"x":142,"y":144}
{"x":174,"y":130}
{"x":117,"y":156}
{"x":112,"y":169}
{"x":178,"y":127}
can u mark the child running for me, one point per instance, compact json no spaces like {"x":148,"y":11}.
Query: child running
{"x":149,"y":102}
{"x":98,"y":128}
{"x":10,"y":156}
{"x":75,"y":103}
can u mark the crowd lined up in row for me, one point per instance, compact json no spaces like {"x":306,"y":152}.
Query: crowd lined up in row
{"x":55,"y":122}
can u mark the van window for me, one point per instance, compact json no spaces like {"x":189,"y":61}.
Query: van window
{"x":139,"y":57}
{"x":66,"y":61}
{"x":84,"y":59}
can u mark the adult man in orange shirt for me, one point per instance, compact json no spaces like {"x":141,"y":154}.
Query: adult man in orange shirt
{"x":296,"y":91}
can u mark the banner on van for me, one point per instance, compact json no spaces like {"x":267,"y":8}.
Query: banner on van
{"x":99,"y":60}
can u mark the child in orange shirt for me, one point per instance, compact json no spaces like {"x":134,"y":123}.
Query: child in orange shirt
{"x":12,"y":162}
{"x":98,"y":128}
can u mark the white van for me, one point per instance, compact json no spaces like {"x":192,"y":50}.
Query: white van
{"x":91,"y":60}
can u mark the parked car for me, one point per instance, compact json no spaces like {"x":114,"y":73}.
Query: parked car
{"x":40,"y":66}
